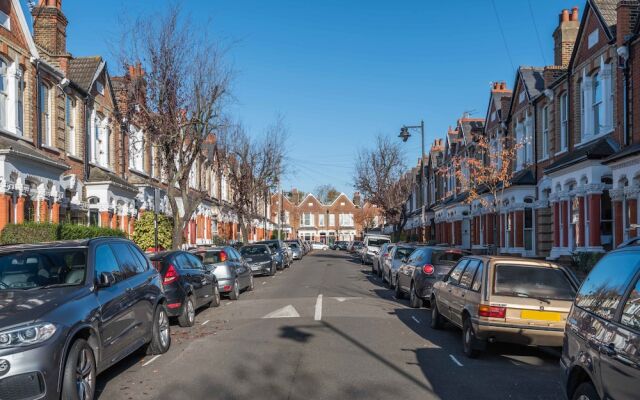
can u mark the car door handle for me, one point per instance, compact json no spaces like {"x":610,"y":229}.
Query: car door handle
{"x":608,"y":350}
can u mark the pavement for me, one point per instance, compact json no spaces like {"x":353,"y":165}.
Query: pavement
{"x":327,"y":329}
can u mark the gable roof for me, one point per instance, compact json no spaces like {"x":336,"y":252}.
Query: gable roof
{"x":310,"y":195}
{"x":83,"y":71}
{"x":15,"y":4}
{"x":532,"y":79}
{"x":606,"y":11}
{"x":342,"y":194}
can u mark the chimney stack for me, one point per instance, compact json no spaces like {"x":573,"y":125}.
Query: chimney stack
{"x":564,"y":37}
{"x":50,"y":29}
{"x":627,"y":15}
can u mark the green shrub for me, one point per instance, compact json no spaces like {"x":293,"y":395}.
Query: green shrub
{"x":218,"y":241}
{"x":75,"y":232}
{"x":144,"y":231}
{"x":29,"y":232}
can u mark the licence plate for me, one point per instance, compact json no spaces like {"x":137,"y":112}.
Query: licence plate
{"x":541,"y":315}
{"x":254,"y":267}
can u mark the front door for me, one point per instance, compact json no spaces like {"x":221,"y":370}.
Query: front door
{"x":466,"y":233}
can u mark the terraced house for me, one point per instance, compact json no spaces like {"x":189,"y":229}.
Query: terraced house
{"x":575,"y":179}
{"x":68,"y":152}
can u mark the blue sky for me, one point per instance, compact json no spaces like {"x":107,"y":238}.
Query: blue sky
{"x":342,"y":72}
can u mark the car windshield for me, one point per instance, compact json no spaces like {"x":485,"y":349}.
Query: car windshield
{"x":535,"y":282}
{"x":293,"y":245}
{"x":377,"y":242}
{"x":403,"y":252}
{"x":43,"y":268}
{"x":445,"y":257}
{"x":210,"y":257}
{"x":254,"y":250}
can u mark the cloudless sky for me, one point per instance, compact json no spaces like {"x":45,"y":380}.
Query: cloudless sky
{"x":342,"y":72}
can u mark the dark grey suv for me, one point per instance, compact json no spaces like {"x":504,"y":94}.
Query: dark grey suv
{"x":69,"y":310}
{"x":601,"y":348}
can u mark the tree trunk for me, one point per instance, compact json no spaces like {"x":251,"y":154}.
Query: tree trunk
{"x":177,"y":235}
{"x":243,"y":229}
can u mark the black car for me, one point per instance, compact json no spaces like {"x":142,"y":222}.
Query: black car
{"x":188,"y":285}
{"x":424,"y":267}
{"x":69,"y":310}
{"x":341,"y":245}
{"x":259,"y":258}
{"x":601,"y":348}
{"x":280,"y":252}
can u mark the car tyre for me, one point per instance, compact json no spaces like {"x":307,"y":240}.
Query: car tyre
{"x":585,"y":391}
{"x":437,"y":320}
{"x":469,"y":340}
{"x":188,"y":316}
{"x":414,"y":300}
{"x":234,"y":294}
{"x":216,"y":296}
{"x":399,"y":293}
{"x":160,"y":334}
{"x":79,"y":379}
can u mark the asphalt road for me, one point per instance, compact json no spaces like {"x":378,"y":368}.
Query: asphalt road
{"x":327,"y":329}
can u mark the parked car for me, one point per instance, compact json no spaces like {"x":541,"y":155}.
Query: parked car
{"x":601,"y":347}
{"x":188,"y":285}
{"x":376,"y":265}
{"x":280,"y":253}
{"x":354,"y":246}
{"x":61,"y":305}
{"x":232,"y":272}
{"x":319,"y":246}
{"x":342,"y":245}
{"x":260,"y":259}
{"x":424,"y":267}
{"x":391,"y":264}
{"x":300,"y":245}
{"x":504,"y":299}
{"x":296,"y":250}
{"x":371,"y":246}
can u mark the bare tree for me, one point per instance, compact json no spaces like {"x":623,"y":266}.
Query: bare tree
{"x":178,"y":100}
{"x":380,"y":175}
{"x":254,"y":167}
{"x":327,"y":193}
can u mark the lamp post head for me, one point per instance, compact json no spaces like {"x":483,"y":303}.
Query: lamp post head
{"x":404,"y":134}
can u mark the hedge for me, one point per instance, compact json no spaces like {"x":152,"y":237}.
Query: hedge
{"x":144,"y":231}
{"x":32,"y":232}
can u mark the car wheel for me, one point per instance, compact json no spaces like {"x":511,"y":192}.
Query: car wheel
{"x":399,"y":294}
{"x":414,"y":300}
{"x":216,"y":296}
{"x":188,"y":316}
{"x":235,"y":291}
{"x":160,"y":335}
{"x":437,"y":320}
{"x":469,"y":340}
{"x":79,"y":380}
{"x":585,"y":391}
{"x":251,"y":285}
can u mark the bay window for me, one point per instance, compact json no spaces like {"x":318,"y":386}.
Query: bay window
{"x":597,"y":106}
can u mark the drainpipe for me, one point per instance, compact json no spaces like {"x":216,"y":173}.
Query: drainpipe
{"x":87,"y":137}
{"x":623,"y":53}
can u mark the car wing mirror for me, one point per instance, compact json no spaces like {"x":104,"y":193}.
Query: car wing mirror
{"x":106,"y":279}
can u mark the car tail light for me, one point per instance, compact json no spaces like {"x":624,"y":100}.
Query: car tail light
{"x":226,"y":288}
{"x":385,"y":255}
{"x":171,"y":275}
{"x":174,"y":305}
{"x":492,"y":311}
{"x":428,"y":269}
{"x":223,"y":256}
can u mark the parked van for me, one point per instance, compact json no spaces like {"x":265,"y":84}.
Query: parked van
{"x":371,"y":246}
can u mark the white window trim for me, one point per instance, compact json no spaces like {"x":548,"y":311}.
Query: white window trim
{"x":545,"y":132}
{"x":564,"y":122}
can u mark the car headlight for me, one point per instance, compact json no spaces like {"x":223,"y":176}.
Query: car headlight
{"x":27,"y":335}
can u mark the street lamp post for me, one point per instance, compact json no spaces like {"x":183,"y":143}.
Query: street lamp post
{"x":405,"y":135}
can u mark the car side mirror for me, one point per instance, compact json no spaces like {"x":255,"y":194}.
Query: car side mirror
{"x":106,"y":279}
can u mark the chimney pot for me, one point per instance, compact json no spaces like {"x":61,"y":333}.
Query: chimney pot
{"x":574,"y":14}
{"x":132,"y":71}
{"x":564,"y":16}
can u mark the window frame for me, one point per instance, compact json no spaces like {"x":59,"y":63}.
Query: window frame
{"x":564,"y":121}
{"x":545,"y":131}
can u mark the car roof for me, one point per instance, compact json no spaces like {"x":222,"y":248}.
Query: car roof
{"x":58,"y":244}
{"x":520,"y":260}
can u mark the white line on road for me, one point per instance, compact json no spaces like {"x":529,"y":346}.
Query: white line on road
{"x":455,"y":360}
{"x":415,"y":319}
{"x":205,"y":322}
{"x":318,"y":315}
{"x":264,"y":283}
{"x":150,"y":361}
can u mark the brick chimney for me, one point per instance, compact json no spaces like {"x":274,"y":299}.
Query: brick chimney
{"x":356,"y":199}
{"x":627,"y":15}
{"x":564,"y":36}
{"x":50,"y":27}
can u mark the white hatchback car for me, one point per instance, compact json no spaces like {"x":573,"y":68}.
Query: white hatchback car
{"x":319,"y":246}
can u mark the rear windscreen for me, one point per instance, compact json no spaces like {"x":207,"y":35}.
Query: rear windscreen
{"x":445,"y":257}
{"x":210,"y":257}
{"x":535,"y":282}
{"x":403,"y":252}
{"x":377,"y":242}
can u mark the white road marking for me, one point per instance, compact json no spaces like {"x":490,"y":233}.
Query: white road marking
{"x":264,"y":283}
{"x":318,"y":314}
{"x":150,"y":361}
{"x":205,"y":322}
{"x":343,"y":299}
{"x":415,"y":319}
{"x":455,"y":360}
{"x":284,"y":312}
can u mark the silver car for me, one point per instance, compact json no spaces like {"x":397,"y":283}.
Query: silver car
{"x":378,"y":259}
{"x":392,"y":263}
{"x":232,"y":271}
{"x":296,"y":251}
